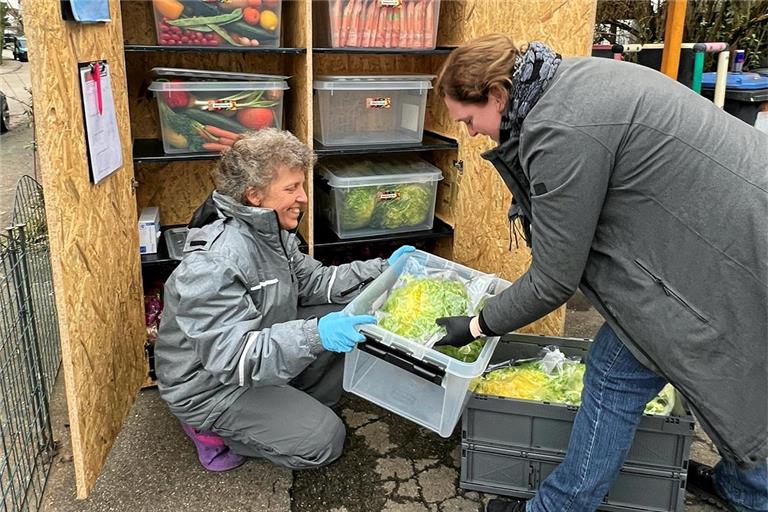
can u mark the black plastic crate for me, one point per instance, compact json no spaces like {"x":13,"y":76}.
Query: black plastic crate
{"x":514,"y":473}
{"x":543,"y":429}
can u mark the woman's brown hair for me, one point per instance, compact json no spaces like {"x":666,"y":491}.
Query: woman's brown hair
{"x":475,"y":68}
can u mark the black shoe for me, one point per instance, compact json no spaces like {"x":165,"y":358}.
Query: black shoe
{"x":700,"y":483}
{"x":509,"y":505}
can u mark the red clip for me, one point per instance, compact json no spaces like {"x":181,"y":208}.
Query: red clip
{"x":97,"y":78}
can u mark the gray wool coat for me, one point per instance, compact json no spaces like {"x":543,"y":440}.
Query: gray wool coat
{"x":655,"y":204}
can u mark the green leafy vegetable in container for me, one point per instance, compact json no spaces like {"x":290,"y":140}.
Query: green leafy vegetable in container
{"x":468,"y":353}
{"x":410,"y":206}
{"x":413,"y":307}
{"x":529,"y":381}
{"x":357,"y":210}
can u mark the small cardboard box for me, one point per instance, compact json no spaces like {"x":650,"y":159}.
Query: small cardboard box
{"x":149,"y":230}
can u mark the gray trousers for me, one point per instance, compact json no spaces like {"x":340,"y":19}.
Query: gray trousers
{"x":292,"y":425}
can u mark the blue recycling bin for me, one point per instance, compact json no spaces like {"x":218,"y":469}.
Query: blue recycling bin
{"x":746,"y":94}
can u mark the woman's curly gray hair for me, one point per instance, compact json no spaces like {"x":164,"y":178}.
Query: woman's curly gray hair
{"x":253,"y":161}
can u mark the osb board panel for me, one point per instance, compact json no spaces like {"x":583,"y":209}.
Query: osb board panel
{"x":177,"y":188}
{"x":94,"y":240}
{"x":481,"y":230}
{"x":566,"y":25}
{"x":299,"y":121}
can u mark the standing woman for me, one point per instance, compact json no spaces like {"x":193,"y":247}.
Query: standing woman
{"x":654,"y":203}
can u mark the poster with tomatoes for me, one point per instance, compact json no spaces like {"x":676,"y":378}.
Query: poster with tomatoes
{"x":238,"y":23}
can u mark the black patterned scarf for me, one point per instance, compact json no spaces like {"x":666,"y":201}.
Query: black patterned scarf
{"x":533,"y":71}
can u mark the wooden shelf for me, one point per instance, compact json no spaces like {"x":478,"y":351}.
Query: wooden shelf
{"x":210,"y":49}
{"x":430,"y":142}
{"x":325,"y":238}
{"x":440,"y":50}
{"x":151,"y":150}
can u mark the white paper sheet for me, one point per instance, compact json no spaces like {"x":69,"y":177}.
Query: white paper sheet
{"x":105,"y":152}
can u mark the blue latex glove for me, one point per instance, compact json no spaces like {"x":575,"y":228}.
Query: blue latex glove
{"x":338,"y":333}
{"x":402,"y":250}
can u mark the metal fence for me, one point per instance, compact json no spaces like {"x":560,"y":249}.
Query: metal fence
{"x":29,"y":352}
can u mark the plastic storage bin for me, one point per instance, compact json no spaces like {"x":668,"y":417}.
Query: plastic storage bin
{"x":397,"y":24}
{"x":371,"y":196}
{"x":416,"y":382}
{"x":509,"y":446}
{"x":370,"y":109}
{"x":514,"y":473}
{"x":651,"y":54}
{"x":746,"y":94}
{"x":541,"y":428}
{"x":175,"y":239}
{"x":231,"y":107}
{"x":219,"y":23}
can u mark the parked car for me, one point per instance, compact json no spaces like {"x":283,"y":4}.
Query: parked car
{"x":20,"y":49}
{"x":8,"y":40}
{"x":5,"y":114}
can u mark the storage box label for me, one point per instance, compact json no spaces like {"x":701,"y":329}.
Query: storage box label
{"x":378,"y":103}
{"x":214,"y":105}
{"x":391,"y":3}
{"x":388,"y":195}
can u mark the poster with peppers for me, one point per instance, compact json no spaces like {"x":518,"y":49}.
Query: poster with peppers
{"x":211,"y":116}
{"x":239,"y":23}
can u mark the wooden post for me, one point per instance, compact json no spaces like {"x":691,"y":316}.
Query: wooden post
{"x":673,"y":37}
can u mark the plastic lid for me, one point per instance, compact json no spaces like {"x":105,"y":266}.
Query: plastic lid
{"x":200,"y":74}
{"x":372,"y":82}
{"x":738,"y":81}
{"x":356,"y":171}
{"x":217,"y":86}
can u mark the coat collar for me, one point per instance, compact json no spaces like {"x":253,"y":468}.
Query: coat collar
{"x":262,"y":220}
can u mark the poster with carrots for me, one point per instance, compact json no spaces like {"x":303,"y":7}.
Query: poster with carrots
{"x":383,"y":23}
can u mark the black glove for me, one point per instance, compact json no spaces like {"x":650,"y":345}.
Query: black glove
{"x":458,"y":330}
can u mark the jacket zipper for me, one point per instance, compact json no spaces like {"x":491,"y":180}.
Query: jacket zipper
{"x":671,"y":293}
{"x":282,"y":244}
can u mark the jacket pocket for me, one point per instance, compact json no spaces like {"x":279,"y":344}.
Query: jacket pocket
{"x":260,"y":292}
{"x":670,"y":292}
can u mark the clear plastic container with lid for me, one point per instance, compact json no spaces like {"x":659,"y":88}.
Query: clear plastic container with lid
{"x":378,"y":195}
{"x":223,"y":23}
{"x":404,"y":376}
{"x":396,"y":24}
{"x":370,"y":109}
{"x":205,"y":111}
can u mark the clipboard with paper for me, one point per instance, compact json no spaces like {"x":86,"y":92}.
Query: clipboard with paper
{"x":103,"y":146}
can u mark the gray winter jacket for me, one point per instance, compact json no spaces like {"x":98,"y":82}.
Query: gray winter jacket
{"x":229,"y":319}
{"x":655,"y":203}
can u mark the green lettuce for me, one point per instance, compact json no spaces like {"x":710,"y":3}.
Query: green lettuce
{"x":411,"y":309}
{"x":529,"y":381}
{"x":410,"y":208}
{"x":358,"y":207}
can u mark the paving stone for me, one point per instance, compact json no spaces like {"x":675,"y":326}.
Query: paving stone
{"x":459,"y":504}
{"x":389,"y":487}
{"x":409,"y":489}
{"x":410,"y":506}
{"x":355,"y":419}
{"x":472,"y":495}
{"x":376,"y":436}
{"x":422,"y":464}
{"x":438,"y":484}
{"x":394,"y":467}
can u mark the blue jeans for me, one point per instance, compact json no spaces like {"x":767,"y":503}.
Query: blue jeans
{"x":616,"y":389}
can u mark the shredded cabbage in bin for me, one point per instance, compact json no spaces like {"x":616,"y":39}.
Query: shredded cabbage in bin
{"x":411,"y":309}
{"x":529,"y":381}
